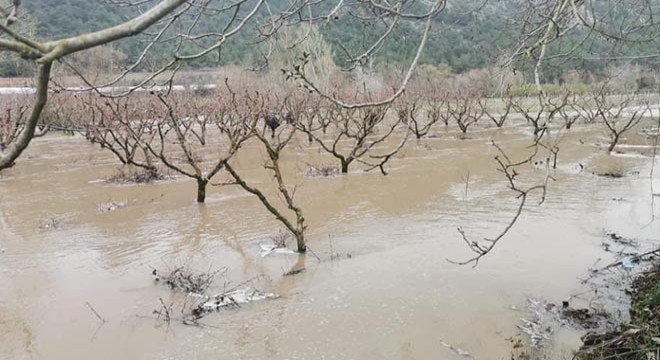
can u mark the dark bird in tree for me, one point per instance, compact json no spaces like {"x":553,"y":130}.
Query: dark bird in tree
{"x":273,"y":122}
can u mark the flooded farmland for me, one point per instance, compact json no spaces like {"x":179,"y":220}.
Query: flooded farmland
{"x":376,"y":284}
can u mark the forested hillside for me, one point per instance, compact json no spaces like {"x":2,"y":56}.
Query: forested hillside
{"x":467,"y":35}
{"x":462,"y":39}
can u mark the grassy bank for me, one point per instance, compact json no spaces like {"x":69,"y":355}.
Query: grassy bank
{"x":640,"y":337}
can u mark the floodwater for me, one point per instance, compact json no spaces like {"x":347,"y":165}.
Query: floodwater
{"x":395,"y":297}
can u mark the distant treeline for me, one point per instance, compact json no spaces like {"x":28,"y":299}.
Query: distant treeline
{"x":463,"y":38}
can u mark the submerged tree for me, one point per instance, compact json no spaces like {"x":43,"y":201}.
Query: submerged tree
{"x":274,"y":146}
{"x":499,"y":116}
{"x":178,"y":39}
{"x":419,"y":120}
{"x":12,"y":112}
{"x":122,"y":126}
{"x":620,"y":116}
{"x":205,"y":133}
{"x":465,"y":110}
{"x":543,"y":26}
{"x":191,"y":135}
{"x":353,"y":134}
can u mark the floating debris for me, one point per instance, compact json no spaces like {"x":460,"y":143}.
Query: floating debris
{"x":321,"y":170}
{"x":611,"y":174}
{"x":547,"y":317}
{"x":456,"y":350}
{"x":50,"y":224}
{"x":111,"y":206}
{"x":230,"y":299}
{"x":273,"y":249}
{"x":618,"y":239}
{"x":198,"y":303}
{"x":294,"y":272}
{"x":537,"y":333}
{"x":186,"y":280}
{"x":540,"y":328}
{"x":627,"y":263}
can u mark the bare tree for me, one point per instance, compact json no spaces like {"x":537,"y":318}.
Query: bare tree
{"x":186,"y":129}
{"x":64,"y":112}
{"x":544,"y":24}
{"x":587,"y":107}
{"x":498,"y":117}
{"x":354,"y":133}
{"x":620,"y":116}
{"x":191,"y":135}
{"x":274,"y":147}
{"x":465,"y":110}
{"x":164,"y":18}
{"x":45,"y":53}
{"x":540,"y":113}
{"x":122,"y":126}
{"x":410,"y":112}
{"x":313,"y":117}
{"x":12,"y":114}
{"x":569,"y":114}
{"x":508,"y":168}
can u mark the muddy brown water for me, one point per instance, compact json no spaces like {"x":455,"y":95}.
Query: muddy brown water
{"x":396,"y":297}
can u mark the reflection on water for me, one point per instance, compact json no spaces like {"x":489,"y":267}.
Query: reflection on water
{"x":396,"y":297}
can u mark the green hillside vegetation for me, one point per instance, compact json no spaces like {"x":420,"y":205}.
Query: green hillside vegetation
{"x":462,"y":38}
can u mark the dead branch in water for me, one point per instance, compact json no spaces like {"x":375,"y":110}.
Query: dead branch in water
{"x":95,"y":312}
{"x":631,"y":259}
{"x":164,"y":311}
{"x":186,"y":280}
{"x":508,"y":168}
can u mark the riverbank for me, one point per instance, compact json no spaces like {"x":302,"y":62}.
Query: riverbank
{"x":640,"y":337}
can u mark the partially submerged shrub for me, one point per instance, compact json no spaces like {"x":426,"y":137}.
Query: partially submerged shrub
{"x":281,"y":239}
{"x":138,"y":176}
{"x":187,"y":280}
{"x":321,"y":170}
{"x":199,"y":300}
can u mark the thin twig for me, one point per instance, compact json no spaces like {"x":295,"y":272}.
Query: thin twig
{"x":95,"y":312}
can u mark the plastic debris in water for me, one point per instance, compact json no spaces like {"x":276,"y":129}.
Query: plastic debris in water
{"x":627,"y":263}
{"x":268,"y":249}
{"x":236,"y":297}
{"x":226,"y":300}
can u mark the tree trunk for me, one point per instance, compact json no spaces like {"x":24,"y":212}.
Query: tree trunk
{"x":344,"y":166}
{"x":300,"y":241}
{"x":615,"y":140}
{"x":201,"y":190}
